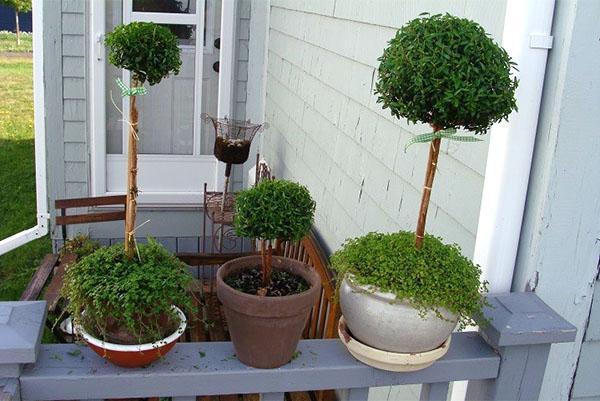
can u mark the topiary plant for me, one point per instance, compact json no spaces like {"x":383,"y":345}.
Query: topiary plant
{"x":151,"y":53}
{"x":447,"y":72}
{"x":432,"y":277}
{"x":124,"y":300}
{"x":273,"y":210}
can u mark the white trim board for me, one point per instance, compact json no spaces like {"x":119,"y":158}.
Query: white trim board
{"x":41,"y":228}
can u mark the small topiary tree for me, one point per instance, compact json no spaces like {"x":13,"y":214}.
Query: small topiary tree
{"x":151,"y":53}
{"x":273,"y":210}
{"x":445,"y":71}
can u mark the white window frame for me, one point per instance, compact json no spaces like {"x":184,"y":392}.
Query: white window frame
{"x":107,"y":171}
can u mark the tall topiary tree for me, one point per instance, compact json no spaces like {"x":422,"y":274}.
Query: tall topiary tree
{"x":447,"y":72}
{"x":273,"y":210}
{"x":20,"y":6}
{"x":151,"y":53}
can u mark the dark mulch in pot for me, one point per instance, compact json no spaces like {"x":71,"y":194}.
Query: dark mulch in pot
{"x":249,"y":281}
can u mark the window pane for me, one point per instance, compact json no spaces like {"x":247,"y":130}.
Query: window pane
{"x":185,"y":33}
{"x":165,"y":6}
{"x":114,"y":123}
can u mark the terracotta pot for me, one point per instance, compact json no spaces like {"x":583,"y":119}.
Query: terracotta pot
{"x":265,"y":330}
{"x":134,"y":356}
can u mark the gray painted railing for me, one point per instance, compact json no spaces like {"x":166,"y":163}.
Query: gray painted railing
{"x":505,"y":362}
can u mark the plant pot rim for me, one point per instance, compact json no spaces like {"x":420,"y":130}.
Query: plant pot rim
{"x":135,"y":347}
{"x":267,"y":299}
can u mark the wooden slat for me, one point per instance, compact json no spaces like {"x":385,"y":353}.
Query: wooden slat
{"x":37,"y":282}
{"x":93,"y":201}
{"x":207,"y":259}
{"x":323,"y":317}
{"x":52,"y":294}
{"x":90,"y":218}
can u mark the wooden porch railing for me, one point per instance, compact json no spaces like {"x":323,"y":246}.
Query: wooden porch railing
{"x":505,"y":362}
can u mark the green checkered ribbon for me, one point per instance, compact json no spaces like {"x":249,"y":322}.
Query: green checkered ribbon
{"x":448,"y":133}
{"x":127,"y":91}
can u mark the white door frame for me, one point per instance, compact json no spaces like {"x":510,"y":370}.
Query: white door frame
{"x":206,"y":167}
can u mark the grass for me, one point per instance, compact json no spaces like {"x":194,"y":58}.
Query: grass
{"x":17,"y":175}
{"x":8,"y":42}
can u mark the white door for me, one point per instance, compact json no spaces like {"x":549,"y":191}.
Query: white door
{"x":175,"y":148}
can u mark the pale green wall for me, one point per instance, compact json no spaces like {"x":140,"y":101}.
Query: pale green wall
{"x":328,"y":132}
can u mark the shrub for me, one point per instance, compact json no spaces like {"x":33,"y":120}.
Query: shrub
{"x":148,"y":50}
{"x":80,"y":245}
{"x":432,"y":277}
{"x":446,"y":71}
{"x":135,"y":295}
{"x":273,"y":210}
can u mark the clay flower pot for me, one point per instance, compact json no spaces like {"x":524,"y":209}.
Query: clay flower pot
{"x":134,"y":356}
{"x":265,"y":330}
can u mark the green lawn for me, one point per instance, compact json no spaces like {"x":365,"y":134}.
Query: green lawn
{"x":8,"y":42}
{"x":17,"y":175}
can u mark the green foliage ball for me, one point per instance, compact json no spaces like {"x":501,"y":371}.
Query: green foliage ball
{"x":148,"y":50}
{"x":448,"y":72}
{"x":136,"y":294}
{"x":274,"y":209}
{"x":435,"y":276}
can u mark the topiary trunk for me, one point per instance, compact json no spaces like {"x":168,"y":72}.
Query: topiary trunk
{"x":132,"y":189}
{"x":266,"y":252}
{"x":434,"y":152}
{"x":17,"y":28}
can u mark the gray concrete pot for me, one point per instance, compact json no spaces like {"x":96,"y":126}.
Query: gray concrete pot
{"x":380,"y":321}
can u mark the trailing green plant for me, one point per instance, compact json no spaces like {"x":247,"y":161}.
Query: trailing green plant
{"x":273,"y":210}
{"x":109,"y":293}
{"x":435,"y":276}
{"x":150,"y":52}
{"x":448,"y":72}
{"x":80,"y":245}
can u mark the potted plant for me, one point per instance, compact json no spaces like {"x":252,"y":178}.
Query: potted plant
{"x":150,"y":52}
{"x":129,"y":311}
{"x":404,"y":293}
{"x":267,"y":298}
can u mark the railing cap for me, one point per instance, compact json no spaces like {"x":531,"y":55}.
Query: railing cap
{"x":522,"y":318}
{"x":21,"y":328}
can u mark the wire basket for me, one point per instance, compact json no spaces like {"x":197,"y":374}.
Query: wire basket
{"x":233,"y":138}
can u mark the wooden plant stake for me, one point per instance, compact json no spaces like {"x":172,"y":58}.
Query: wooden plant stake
{"x":132,"y":189}
{"x":434,"y":152}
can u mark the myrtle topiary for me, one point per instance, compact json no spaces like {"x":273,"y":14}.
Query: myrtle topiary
{"x":148,"y":50}
{"x":273,"y":210}
{"x":433,"y":277}
{"x":448,"y":72}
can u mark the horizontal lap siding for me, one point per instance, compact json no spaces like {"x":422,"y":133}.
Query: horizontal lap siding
{"x":328,"y":132}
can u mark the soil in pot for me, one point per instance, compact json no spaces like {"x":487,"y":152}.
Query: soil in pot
{"x":265,"y":330}
{"x":282,"y":283}
{"x":233,"y":151}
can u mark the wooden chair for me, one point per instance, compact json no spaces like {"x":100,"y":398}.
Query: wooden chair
{"x":53,"y":265}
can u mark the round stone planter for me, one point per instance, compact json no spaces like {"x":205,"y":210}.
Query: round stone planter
{"x":265,"y":330}
{"x":134,"y":356}
{"x":380,"y":321}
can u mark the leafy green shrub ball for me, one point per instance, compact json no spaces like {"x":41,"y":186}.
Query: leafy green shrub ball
{"x":148,"y":50}
{"x":435,"y":276}
{"x":446,"y":71}
{"x":135,"y":295}
{"x":274,"y":209}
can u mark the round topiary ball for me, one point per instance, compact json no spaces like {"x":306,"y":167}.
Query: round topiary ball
{"x":448,"y":72}
{"x":148,"y":50}
{"x":274,"y":209}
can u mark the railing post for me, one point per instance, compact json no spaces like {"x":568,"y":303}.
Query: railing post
{"x":521,"y":328}
{"x":21,"y":328}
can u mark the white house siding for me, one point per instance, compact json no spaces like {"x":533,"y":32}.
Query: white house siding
{"x":327,"y":131}
{"x":67,"y":126}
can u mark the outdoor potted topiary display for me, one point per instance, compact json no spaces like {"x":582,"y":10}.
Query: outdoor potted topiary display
{"x":402,"y":294}
{"x":150,"y":52}
{"x":129,"y":311}
{"x":267,"y":298}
